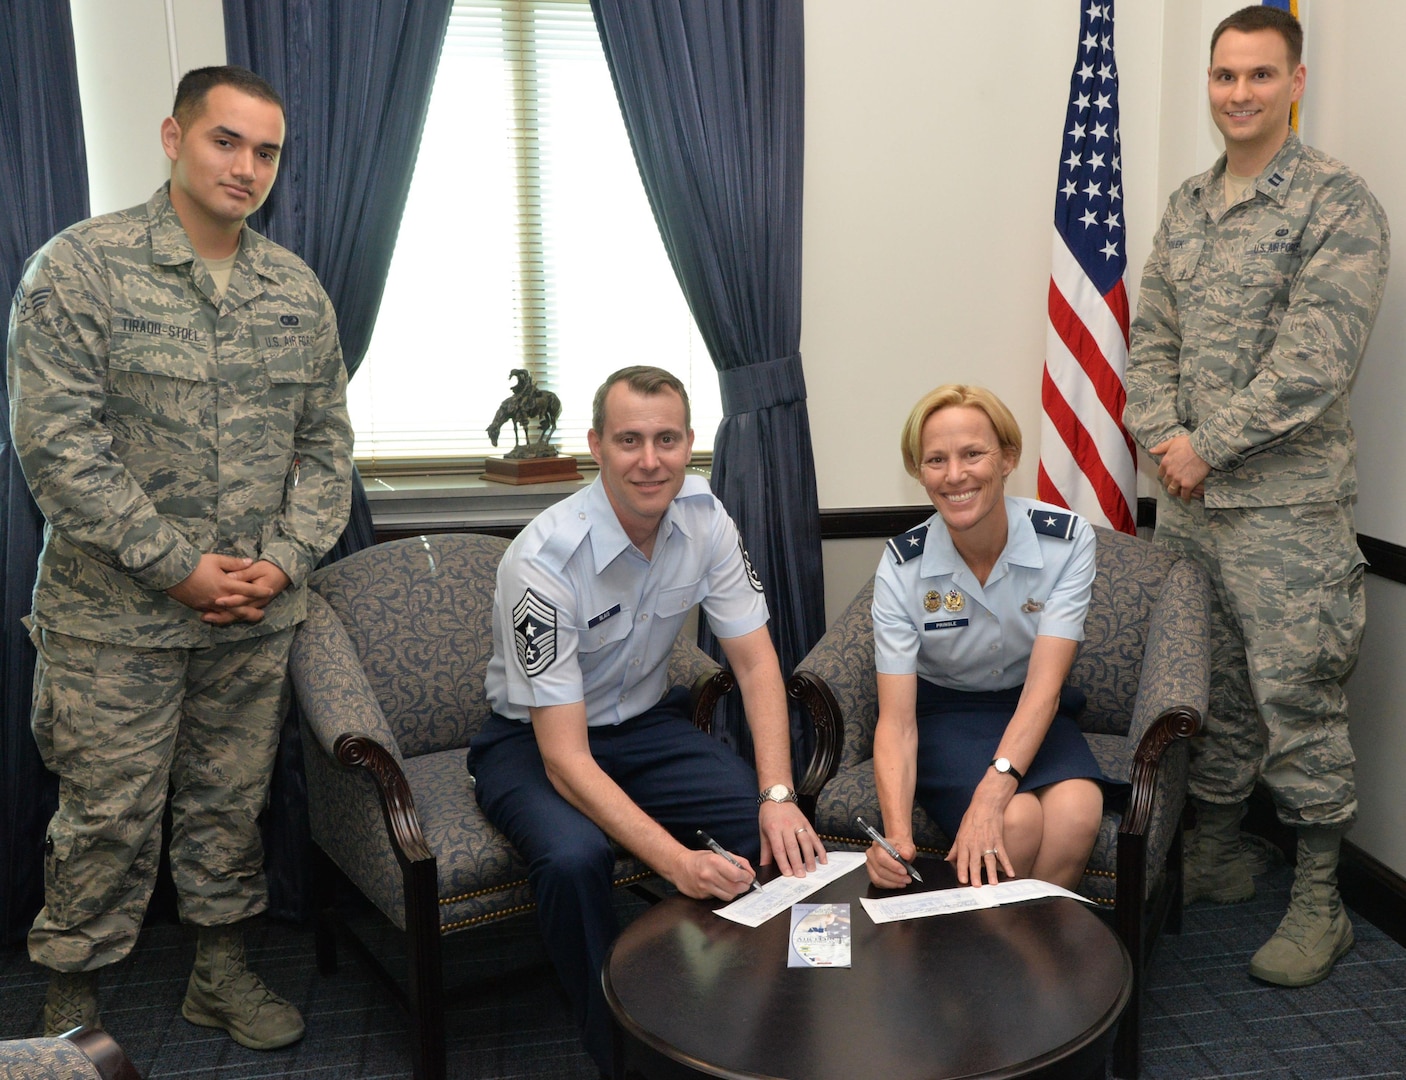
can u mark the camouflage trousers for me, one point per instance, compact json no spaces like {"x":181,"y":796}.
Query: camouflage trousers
{"x":123,"y":726}
{"x":1287,"y":613}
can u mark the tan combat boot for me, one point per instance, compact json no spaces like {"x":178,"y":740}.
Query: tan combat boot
{"x":1316,"y":929}
{"x":72,"y":1002}
{"x":224,"y":993}
{"x":1215,"y":862}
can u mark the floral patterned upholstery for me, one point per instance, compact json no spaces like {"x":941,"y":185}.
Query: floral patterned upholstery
{"x":388,"y":669}
{"x":83,"y":1054}
{"x":1144,"y":664}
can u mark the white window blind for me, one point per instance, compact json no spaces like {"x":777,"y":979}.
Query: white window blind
{"x":527,"y":242}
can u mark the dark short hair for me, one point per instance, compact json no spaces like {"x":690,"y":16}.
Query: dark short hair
{"x":643,"y":379}
{"x":198,"y":82}
{"x":1264,"y":17}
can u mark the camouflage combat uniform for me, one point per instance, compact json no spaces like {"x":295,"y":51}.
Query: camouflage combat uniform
{"x":155,"y":423}
{"x":1250,"y":325}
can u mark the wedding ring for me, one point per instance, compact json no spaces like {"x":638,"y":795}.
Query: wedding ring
{"x":799,"y":831}
{"x":991,"y":851}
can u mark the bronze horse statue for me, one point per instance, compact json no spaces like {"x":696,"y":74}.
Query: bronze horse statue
{"x":527,"y":404}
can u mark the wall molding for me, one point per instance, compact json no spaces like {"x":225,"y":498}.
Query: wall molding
{"x":1387,"y":560}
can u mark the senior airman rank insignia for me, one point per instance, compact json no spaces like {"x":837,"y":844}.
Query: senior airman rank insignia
{"x":954,"y":601}
{"x":1053,"y":522}
{"x":909,"y":545}
{"x":932,"y":601}
{"x":535,"y":633}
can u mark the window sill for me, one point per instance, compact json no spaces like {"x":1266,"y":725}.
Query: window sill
{"x":431,"y":502}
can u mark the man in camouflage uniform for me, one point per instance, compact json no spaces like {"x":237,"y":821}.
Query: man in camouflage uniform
{"x":1256,"y":302}
{"x":178,"y":404}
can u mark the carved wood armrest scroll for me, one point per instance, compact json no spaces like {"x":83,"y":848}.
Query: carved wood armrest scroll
{"x":397,"y":804}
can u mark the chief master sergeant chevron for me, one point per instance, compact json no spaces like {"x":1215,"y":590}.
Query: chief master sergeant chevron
{"x":1256,"y":302}
{"x":178,"y":405}
{"x":584,"y":745}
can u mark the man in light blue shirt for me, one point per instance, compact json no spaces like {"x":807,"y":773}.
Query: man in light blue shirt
{"x":587,"y":743}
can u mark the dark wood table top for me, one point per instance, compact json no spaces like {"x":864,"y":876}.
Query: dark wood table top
{"x":1029,"y":989}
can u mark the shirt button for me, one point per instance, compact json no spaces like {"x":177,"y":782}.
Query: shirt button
{"x":644,"y":617}
{"x":996,"y":646}
{"x":995,"y":671}
{"x":635,"y":662}
{"x":581,"y":516}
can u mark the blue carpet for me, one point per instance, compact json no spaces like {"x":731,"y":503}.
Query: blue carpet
{"x":1203,"y":1015}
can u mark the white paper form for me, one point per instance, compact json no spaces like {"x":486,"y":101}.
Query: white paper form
{"x":965,"y":898}
{"x":753,"y":908}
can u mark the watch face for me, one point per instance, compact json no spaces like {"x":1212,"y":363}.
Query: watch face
{"x":1002,"y":764}
{"x":777,"y":792}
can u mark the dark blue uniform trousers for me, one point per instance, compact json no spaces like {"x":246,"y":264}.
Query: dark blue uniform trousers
{"x":681,"y":777}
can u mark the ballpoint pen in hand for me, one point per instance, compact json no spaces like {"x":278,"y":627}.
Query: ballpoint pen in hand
{"x":717,"y":849}
{"x":912,"y":871}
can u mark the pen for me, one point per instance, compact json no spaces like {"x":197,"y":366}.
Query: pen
{"x":912,"y":871}
{"x":717,"y":849}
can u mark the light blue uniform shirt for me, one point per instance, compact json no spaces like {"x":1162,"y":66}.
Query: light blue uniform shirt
{"x":580,"y":614}
{"x":933,"y":618}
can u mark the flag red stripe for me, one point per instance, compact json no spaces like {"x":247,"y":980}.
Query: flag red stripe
{"x":1085,"y":451}
{"x":1085,"y":350}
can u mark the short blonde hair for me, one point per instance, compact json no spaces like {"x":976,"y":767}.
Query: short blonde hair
{"x":975,"y":397}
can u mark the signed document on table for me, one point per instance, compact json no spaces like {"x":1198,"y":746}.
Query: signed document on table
{"x":946,"y":901}
{"x":778,"y":894}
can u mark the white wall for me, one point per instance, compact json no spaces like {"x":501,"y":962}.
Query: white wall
{"x":131,"y":54}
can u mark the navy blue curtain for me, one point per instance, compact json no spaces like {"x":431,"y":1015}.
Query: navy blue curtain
{"x":713,"y":94}
{"x":355,"y":79}
{"x":43,"y":188}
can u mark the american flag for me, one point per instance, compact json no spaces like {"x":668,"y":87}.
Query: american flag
{"x":1087,"y":460}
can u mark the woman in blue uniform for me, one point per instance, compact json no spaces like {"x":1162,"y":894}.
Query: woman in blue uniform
{"x":978,"y":614}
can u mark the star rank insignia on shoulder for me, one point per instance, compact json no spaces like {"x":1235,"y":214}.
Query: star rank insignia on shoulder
{"x":909,"y":545}
{"x":1052,"y":523}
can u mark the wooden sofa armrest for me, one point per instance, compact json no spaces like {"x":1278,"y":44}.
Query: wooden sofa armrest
{"x":108,"y":1058}
{"x":708,"y":689}
{"x":1180,"y":722}
{"x":393,"y":791}
{"x":816,"y":697}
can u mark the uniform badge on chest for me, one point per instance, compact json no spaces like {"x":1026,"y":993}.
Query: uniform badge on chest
{"x":954,"y":601}
{"x":932,"y":601}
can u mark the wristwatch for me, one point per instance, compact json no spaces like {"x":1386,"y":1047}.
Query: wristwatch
{"x":776,"y":793}
{"x":1005,"y":768}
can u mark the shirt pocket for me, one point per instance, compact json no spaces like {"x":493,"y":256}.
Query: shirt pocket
{"x":1267,"y":273}
{"x":678,"y":600}
{"x":606,"y":632}
{"x":285,"y":356}
{"x":1183,"y":256}
{"x":160,"y":388}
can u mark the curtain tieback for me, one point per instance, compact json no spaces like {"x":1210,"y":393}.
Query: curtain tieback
{"x":762,"y":386}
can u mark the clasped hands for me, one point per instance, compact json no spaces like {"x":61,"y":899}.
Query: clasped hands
{"x":1181,"y":469}
{"x":227,"y":589}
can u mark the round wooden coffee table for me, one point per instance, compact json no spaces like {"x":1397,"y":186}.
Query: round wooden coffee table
{"x":1030,"y":989}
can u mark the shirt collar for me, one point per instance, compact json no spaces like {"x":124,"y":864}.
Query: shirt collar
{"x":940,"y":557}
{"x":1274,"y":179}
{"x":608,"y":537}
{"x":171,"y":246}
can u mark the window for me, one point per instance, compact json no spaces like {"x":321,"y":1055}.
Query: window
{"x":527,"y":242}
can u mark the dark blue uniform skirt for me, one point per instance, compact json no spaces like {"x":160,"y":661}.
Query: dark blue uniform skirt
{"x":958,"y":732}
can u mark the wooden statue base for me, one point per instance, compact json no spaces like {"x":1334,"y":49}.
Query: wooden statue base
{"x":549,"y":470}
